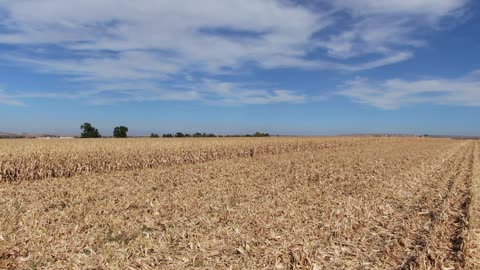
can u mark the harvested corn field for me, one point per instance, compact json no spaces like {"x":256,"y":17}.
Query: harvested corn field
{"x":33,"y":160}
{"x":270,"y":203}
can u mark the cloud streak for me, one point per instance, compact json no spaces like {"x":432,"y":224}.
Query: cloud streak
{"x":395,"y":93}
{"x":207,"y":91}
{"x":8,"y":100}
{"x":430,"y":8}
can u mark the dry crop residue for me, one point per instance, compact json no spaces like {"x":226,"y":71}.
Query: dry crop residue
{"x":33,"y":159}
{"x":367,"y":203}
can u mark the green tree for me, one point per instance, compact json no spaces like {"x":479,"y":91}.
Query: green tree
{"x":179,"y":135}
{"x":89,"y":131}
{"x":120,"y":132}
{"x":260,"y":134}
{"x":154,"y":135}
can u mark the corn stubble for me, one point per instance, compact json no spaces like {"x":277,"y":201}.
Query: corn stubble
{"x":276,"y":203}
{"x":34,"y":159}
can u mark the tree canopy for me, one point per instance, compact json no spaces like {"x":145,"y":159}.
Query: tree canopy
{"x":120,"y":132}
{"x":89,"y":131}
{"x":260,"y":134}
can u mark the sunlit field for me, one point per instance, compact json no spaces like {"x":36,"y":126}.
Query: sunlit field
{"x":240,"y":203}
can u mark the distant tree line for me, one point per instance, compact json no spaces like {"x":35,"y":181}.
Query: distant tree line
{"x":186,"y":135}
{"x":205,"y":135}
{"x":89,"y":131}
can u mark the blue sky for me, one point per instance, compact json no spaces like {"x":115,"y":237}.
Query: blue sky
{"x":280,"y":66}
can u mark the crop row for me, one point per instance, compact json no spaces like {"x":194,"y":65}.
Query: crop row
{"x":36,"y":159}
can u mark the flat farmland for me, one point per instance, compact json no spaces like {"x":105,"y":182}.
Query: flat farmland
{"x":240,"y":203}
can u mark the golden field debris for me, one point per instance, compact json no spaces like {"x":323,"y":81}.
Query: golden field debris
{"x":33,"y":160}
{"x":295,"y":203}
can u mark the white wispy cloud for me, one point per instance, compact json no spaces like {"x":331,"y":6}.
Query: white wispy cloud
{"x":387,"y":28}
{"x":146,"y":42}
{"x":429,"y":8}
{"x":395,"y":93}
{"x":207,"y":35}
{"x":128,"y":65}
{"x":234,"y":93}
{"x":207,"y":91}
{"x":9,"y":100}
{"x":375,"y":35}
